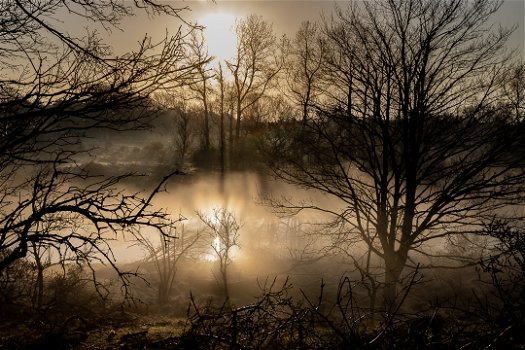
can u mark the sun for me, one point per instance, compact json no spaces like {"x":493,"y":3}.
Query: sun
{"x":219,"y":33}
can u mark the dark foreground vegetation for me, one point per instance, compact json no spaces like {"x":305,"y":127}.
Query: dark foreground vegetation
{"x":470,"y":308}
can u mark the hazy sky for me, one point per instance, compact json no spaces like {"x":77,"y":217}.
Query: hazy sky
{"x":286,"y":16}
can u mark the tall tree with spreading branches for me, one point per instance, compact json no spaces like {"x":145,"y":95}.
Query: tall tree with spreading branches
{"x":305,"y":67}
{"x":255,"y":64}
{"x":201,"y":84}
{"x":415,"y":147}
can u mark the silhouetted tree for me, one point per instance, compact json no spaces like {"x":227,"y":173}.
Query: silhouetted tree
{"x":255,"y":65}
{"x":200,"y":85}
{"x":165,"y":255}
{"x":219,"y":76}
{"x":224,"y":230}
{"x":56,"y":89}
{"x":409,"y":143}
{"x":514,"y":92}
{"x":304,"y":67}
{"x":182,"y":128}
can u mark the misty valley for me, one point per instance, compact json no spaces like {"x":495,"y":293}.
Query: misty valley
{"x":354,"y":182}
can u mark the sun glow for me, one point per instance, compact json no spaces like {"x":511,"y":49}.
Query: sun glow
{"x":220,"y":34}
{"x":219,"y":223}
{"x":213,"y":253}
{"x":217,"y":244}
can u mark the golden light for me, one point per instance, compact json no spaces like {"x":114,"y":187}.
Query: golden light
{"x":217,"y":244}
{"x":213,"y":253}
{"x":218,"y":248}
{"x":219,"y":33}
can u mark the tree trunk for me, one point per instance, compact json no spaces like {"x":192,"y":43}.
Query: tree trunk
{"x":222,"y":143}
{"x":222,"y":136}
{"x":162,"y":297}
{"x":206,"y":125}
{"x":39,"y":287}
{"x":238,"y":121}
{"x":38,"y":292}
{"x":392,"y":273}
{"x":230,"y":141}
{"x":224,"y":272}
{"x":394,"y":265}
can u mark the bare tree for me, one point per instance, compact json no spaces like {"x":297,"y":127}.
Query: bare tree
{"x":166,"y":255}
{"x":219,"y":76}
{"x":56,"y":89}
{"x":224,"y":230}
{"x":42,"y":256}
{"x":200,"y":85}
{"x":415,"y":149}
{"x":514,"y":91}
{"x":224,"y":103}
{"x":182,"y":122}
{"x":280,"y":110}
{"x":41,"y":264}
{"x":304,"y":68}
{"x":255,"y":64}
